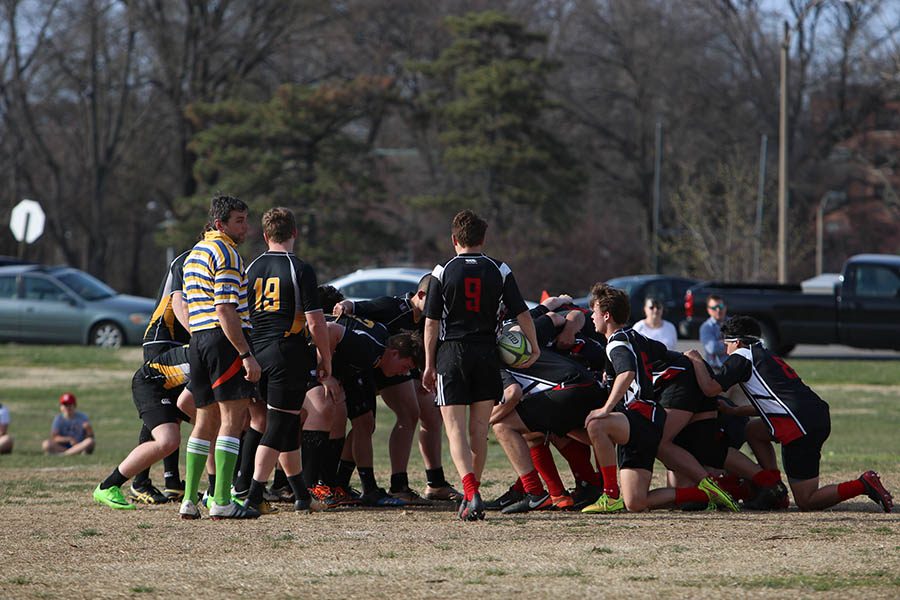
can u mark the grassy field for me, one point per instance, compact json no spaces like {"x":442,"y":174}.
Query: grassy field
{"x":57,"y":543}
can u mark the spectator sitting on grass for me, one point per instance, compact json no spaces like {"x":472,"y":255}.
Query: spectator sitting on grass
{"x":71,"y":431}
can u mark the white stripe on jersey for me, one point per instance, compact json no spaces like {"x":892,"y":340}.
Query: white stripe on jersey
{"x":634,"y":390}
{"x":762,"y":396}
{"x":531,"y":384}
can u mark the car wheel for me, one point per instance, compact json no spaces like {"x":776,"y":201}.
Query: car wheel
{"x":107,"y":334}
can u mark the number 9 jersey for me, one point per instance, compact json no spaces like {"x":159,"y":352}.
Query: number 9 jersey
{"x":281,"y":288}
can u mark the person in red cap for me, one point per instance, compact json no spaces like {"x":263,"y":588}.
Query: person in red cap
{"x":71,"y":431}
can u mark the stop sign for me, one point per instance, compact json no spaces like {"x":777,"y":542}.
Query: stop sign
{"x":27,"y":221}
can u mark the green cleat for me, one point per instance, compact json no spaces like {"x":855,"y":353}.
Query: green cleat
{"x":113,"y":498}
{"x":717,"y":495}
{"x":605,"y":504}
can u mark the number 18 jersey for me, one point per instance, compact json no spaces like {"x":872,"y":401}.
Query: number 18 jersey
{"x":468,"y":296}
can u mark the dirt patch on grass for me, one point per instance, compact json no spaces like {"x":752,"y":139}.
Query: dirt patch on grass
{"x":56,"y":543}
{"x":42,"y":377}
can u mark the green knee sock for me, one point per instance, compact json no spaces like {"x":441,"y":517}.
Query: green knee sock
{"x":227,"y":451}
{"x":195,"y":464}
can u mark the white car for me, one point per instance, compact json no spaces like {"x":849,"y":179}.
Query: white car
{"x":366,"y":284}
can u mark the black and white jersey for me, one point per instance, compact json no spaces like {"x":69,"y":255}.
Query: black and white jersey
{"x":550,"y":372}
{"x":281,"y":289}
{"x":171,"y":370}
{"x":394,"y":312}
{"x":627,"y":350}
{"x":164,"y":327}
{"x":468,"y":296}
{"x":361,"y":346}
{"x":788,"y":405}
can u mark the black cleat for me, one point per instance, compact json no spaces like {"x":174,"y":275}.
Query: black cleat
{"x":511,"y":496}
{"x":475,"y":510}
{"x":463,"y":509}
{"x":774,"y":497}
{"x":146,"y":493}
{"x":585,"y":494}
{"x":528,"y":503}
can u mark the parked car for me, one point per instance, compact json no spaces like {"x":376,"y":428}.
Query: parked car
{"x":365,"y":284}
{"x":68,"y":306}
{"x":861,"y":310}
{"x":667,"y":289}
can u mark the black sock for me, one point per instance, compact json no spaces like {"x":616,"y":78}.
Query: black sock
{"x":247,"y":459}
{"x":255,"y":495}
{"x":345,"y":470}
{"x":171,"y":472}
{"x":212,"y":483}
{"x":399,"y":482}
{"x":280,"y":480}
{"x":367,"y":476}
{"x":143,"y":477}
{"x":115,"y":478}
{"x":330,"y":459}
{"x":314,"y":444}
{"x":298,"y":486}
{"x":436,"y":478}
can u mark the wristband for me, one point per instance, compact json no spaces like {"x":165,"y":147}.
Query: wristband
{"x":245,"y":355}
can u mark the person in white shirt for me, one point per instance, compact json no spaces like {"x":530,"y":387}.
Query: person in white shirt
{"x":653,"y":326}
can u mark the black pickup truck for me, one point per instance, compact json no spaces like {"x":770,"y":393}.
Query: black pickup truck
{"x":863,"y":311}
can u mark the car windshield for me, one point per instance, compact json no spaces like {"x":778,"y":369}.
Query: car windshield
{"x":623,"y":283}
{"x":86,"y":286}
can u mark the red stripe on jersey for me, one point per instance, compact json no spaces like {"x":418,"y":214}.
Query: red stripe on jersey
{"x":786,"y":429}
{"x":642,"y":408}
{"x":233,"y":370}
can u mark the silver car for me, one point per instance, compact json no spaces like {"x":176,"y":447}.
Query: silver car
{"x":67,"y":306}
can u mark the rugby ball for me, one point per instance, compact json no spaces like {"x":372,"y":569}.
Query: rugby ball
{"x":513,"y":348}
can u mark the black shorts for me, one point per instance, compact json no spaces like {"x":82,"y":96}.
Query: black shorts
{"x":288,"y":364}
{"x":560,"y":411}
{"x":684,"y":393}
{"x":801,"y":457}
{"x":217,"y":372}
{"x":359,"y":393}
{"x":468,"y":372}
{"x":155,"y":404}
{"x":733,"y":429}
{"x":704,"y":441}
{"x":643,"y":440}
{"x":383,"y":381}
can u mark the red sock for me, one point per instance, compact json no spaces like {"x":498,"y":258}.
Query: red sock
{"x":532,"y":483}
{"x":470,"y":486}
{"x":767,"y":478}
{"x":543,"y":462}
{"x":851,"y":489}
{"x":579,"y":458}
{"x":685,"y":495}
{"x":610,"y":483}
{"x":517,"y":486}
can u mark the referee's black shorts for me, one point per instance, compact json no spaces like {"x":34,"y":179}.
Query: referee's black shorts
{"x":467,"y":372}
{"x":217,"y":371}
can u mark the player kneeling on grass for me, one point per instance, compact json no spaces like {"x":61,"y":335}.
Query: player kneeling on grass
{"x":554,"y":395}
{"x":790,"y":413}
{"x":631,"y":419}
{"x":155,"y":389}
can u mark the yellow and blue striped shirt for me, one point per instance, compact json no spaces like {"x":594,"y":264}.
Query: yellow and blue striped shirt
{"x":214,"y":274}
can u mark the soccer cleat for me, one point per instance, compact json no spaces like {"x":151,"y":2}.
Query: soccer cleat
{"x":281,"y":494}
{"x":410,"y":497}
{"x":528,"y":503}
{"x":380,"y":498}
{"x":605,"y":504}
{"x":563,"y":502}
{"x":239,"y":494}
{"x":263,"y":508}
{"x":232,"y":510}
{"x":442,"y":494}
{"x":113,"y":498}
{"x":511,"y":496}
{"x":718,"y":495}
{"x":189,"y":510}
{"x":584,"y":494}
{"x":345,"y":497}
{"x":205,"y":500}
{"x":876,"y":491}
{"x":175,"y":494}
{"x":325,"y":497}
{"x":772,"y":497}
{"x":310,"y":505}
{"x":475,"y":508}
{"x":146,"y":493}
{"x":463,"y":509}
